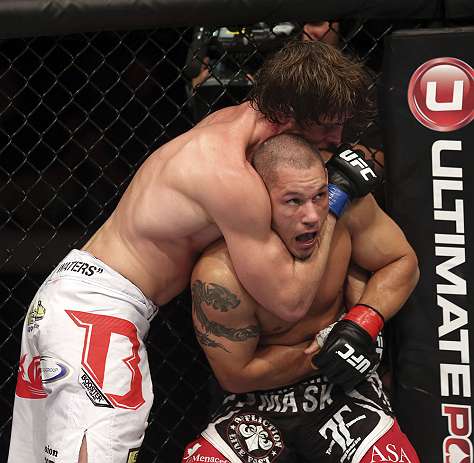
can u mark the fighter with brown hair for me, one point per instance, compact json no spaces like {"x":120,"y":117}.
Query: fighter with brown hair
{"x":328,"y":89}
{"x":99,"y":301}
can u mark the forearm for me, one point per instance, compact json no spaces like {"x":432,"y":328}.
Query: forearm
{"x":389,"y":288}
{"x":290,"y":291}
{"x":272,"y":367}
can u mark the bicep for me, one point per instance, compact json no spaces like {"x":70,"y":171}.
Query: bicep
{"x":377,"y":240}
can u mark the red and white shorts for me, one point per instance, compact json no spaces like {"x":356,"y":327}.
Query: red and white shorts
{"x":83,"y":368}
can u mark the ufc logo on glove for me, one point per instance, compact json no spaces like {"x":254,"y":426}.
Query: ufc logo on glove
{"x":354,"y":159}
{"x":360,"y":363}
{"x":350,"y":176}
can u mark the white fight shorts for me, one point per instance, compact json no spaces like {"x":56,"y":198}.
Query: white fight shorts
{"x":83,"y":367}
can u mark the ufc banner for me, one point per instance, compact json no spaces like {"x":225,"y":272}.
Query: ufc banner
{"x":427,"y":110}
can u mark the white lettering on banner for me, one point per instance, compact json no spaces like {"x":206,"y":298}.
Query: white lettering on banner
{"x":454,"y":105}
{"x":455,"y":378}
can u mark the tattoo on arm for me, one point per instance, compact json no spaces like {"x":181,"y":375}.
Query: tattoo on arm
{"x":220,"y":298}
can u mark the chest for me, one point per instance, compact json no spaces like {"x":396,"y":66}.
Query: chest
{"x":327,"y":305}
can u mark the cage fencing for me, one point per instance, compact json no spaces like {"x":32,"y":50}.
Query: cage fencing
{"x":78,"y":115}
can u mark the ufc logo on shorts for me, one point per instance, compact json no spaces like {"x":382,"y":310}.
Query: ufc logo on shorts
{"x":360,"y":363}
{"x":99,"y":330}
{"x":354,"y":160}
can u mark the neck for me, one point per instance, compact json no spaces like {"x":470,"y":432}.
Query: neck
{"x":261,"y":129}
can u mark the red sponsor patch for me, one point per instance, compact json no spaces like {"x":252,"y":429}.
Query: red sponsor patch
{"x":29,"y":385}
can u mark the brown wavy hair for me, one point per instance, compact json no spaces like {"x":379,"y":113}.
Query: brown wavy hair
{"x":308,"y":81}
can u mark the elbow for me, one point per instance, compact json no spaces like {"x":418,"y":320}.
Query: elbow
{"x":288,"y":309}
{"x":415,"y":270}
{"x":416,"y":276}
{"x":233,"y":385}
{"x":294,"y":315}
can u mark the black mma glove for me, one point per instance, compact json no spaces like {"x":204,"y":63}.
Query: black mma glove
{"x":350,"y":352}
{"x":350,"y":176}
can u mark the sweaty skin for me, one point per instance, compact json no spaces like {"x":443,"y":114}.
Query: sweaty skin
{"x":250,"y":348}
{"x":199,"y":187}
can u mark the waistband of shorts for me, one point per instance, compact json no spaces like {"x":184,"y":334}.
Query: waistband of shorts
{"x":81,"y":265}
{"x":299,"y":387}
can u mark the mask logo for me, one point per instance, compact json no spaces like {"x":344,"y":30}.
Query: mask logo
{"x":441,"y":94}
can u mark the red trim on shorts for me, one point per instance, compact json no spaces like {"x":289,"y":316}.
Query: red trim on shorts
{"x":392,"y":446}
{"x":202,"y":448}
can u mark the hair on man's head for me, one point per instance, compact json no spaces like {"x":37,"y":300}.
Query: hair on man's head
{"x":284,"y":150}
{"x":309,"y":81}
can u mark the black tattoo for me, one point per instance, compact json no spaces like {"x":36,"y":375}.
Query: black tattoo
{"x":205,"y":340}
{"x":219,"y":298}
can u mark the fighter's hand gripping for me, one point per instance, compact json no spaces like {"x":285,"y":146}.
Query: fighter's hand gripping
{"x":350,"y":352}
{"x":350,"y":176}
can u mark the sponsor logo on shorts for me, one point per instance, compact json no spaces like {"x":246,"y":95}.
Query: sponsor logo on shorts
{"x":53,"y":370}
{"x":337,"y":431}
{"x":441,"y":94}
{"x":133,"y":455}
{"x":389,"y":453}
{"x":190,"y":457}
{"x":29,"y":385}
{"x":254,"y":438}
{"x":79,"y":267}
{"x":37,"y":315}
{"x":50,"y":453}
{"x":97,"y":341}
{"x":93,"y":391}
{"x":317,"y":396}
{"x":193,"y":455}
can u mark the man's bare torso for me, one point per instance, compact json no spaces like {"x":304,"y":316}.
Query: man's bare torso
{"x":328,"y":304}
{"x":327,"y":307}
{"x":159,"y":228}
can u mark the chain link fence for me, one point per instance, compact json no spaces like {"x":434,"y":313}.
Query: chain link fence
{"x":78,"y":115}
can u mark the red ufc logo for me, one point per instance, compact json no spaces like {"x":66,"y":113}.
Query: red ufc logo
{"x":98,"y":331}
{"x":441,"y":94}
{"x":457,"y":448}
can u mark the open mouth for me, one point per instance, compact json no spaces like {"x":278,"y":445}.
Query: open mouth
{"x":306,"y":238}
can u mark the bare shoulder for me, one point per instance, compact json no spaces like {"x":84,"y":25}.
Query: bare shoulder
{"x":215,"y":264}
{"x":215,"y":268}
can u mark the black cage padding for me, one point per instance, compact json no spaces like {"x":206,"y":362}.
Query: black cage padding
{"x":32,"y":18}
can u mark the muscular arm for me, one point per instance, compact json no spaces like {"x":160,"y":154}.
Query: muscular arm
{"x":241,"y":208}
{"x":378,"y":245}
{"x":229,"y":332}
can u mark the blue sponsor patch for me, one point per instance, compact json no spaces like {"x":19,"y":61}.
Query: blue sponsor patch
{"x":53,"y":370}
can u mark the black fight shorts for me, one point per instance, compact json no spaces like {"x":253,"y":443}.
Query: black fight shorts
{"x":310,"y":421}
